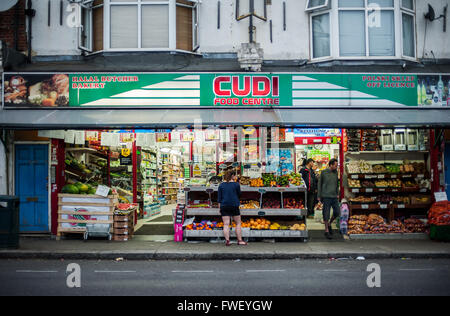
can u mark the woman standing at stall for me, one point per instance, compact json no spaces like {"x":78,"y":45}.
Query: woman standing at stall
{"x":229,"y":193}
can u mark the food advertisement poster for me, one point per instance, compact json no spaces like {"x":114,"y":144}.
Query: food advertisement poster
{"x":36,"y":90}
{"x":223,"y":90}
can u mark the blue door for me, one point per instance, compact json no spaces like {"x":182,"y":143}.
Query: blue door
{"x":31,"y":185}
{"x":447,"y":168}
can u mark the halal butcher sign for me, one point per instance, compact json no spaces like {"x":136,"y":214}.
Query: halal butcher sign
{"x":247,"y":90}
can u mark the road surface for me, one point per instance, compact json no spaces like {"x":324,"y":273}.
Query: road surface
{"x":225,"y":278}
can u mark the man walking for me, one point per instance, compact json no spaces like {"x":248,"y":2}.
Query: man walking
{"x":309,"y":177}
{"x":328,"y":194}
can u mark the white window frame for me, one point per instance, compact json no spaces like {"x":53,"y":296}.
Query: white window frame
{"x":334,"y":32}
{"x":412,"y":13}
{"x":324,"y":6}
{"x":311,"y":36}
{"x":172,"y":25}
{"x":86,"y":5}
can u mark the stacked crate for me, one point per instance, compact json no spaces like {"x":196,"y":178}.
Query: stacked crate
{"x":123,"y":227}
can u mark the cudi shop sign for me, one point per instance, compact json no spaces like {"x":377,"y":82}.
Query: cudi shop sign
{"x":222,"y":90}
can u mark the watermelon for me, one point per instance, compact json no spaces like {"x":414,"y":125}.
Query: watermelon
{"x":70,"y":189}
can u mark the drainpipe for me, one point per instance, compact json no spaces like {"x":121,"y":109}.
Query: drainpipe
{"x":30,"y":13}
{"x":16,"y":27}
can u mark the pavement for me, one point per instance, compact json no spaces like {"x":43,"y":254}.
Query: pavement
{"x":141,"y":249}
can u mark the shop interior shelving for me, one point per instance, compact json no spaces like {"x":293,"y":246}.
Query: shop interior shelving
{"x":286,"y":214}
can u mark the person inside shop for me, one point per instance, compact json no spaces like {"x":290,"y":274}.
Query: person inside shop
{"x":229,"y":194}
{"x":328,"y":194}
{"x":309,"y":176}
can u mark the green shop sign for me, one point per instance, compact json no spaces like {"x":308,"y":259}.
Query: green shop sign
{"x":214,"y":90}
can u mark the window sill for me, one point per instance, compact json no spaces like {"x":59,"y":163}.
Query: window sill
{"x":141,"y":51}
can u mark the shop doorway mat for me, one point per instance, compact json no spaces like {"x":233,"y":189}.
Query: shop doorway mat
{"x":164,"y":218}
{"x":162,"y":229}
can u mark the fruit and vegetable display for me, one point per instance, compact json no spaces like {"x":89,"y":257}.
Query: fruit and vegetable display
{"x":125,"y":208}
{"x":298,"y":227}
{"x":296,"y":179}
{"x":271,"y":203}
{"x":401,"y":199}
{"x":393,"y":168}
{"x":199,"y":204}
{"x":252,"y":223}
{"x":365,"y":167}
{"x":439,"y":214}
{"x":78,"y":188}
{"x":379,"y":169}
{"x":256,"y":182}
{"x":367,"y":184}
{"x":293,"y":203}
{"x":410,"y":184}
{"x":283,"y":181}
{"x":375,"y":224}
{"x":248,"y":205}
{"x":354,"y":183}
{"x":394,"y":183}
{"x":269,"y":180}
{"x":245,"y":181}
{"x":363,"y":199}
{"x":74,"y":163}
{"x":359,"y":166}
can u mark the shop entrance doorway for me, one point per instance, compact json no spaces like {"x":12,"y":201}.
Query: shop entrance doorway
{"x":31,"y":186}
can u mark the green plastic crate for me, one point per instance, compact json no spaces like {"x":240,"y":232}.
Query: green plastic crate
{"x":441,"y":233}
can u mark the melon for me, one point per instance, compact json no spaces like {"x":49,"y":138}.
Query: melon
{"x":70,"y":189}
{"x":83,"y":188}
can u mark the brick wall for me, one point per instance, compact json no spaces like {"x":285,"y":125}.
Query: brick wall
{"x":7,"y":26}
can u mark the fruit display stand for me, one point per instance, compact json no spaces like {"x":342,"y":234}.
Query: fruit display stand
{"x":210,"y":211}
{"x":75,"y":211}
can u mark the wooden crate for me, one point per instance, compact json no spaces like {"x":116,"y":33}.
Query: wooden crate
{"x":124,"y":231}
{"x":122,"y":237}
{"x":77,"y":210}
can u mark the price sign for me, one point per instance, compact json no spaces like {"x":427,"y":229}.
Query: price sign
{"x":420,"y":176}
{"x":369,"y":190}
{"x":355,"y":191}
{"x":383,"y":206}
{"x":102,"y":190}
{"x":381,"y":176}
{"x":381,"y":190}
{"x":423,"y":190}
{"x":440,"y":196}
{"x":355,"y":176}
{"x":393,"y":176}
{"x":401,"y":206}
{"x":365,"y":206}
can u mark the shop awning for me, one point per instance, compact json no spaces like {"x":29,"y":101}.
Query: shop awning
{"x":145,"y":118}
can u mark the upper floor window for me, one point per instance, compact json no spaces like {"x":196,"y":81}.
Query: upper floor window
{"x":124,"y":25}
{"x":362,"y":29}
